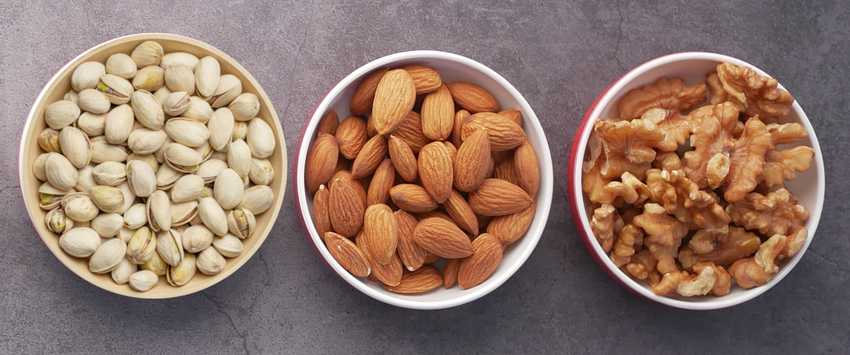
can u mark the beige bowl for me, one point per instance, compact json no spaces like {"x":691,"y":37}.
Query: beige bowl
{"x":61,"y":83}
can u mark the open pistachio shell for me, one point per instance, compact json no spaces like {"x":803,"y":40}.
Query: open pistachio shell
{"x":183,"y":213}
{"x":142,"y":246}
{"x":87,"y":75}
{"x":94,"y":101}
{"x":241,"y":223}
{"x":48,"y":140}
{"x":182,"y":158}
{"x":159,"y":211}
{"x":115,"y":88}
{"x":107,"y":198}
{"x":262,"y":172}
{"x":228,"y":246}
{"x":49,"y":197}
{"x":60,"y":172}
{"x":57,"y":222}
{"x":80,"y":242}
{"x":109,"y":173}
{"x":145,"y":141}
{"x":176,"y":103}
{"x":169,"y":246}
{"x":166,"y":177}
{"x":108,"y":256}
{"x":210,"y":169}
{"x":121,"y":274}
{"x":182,"y":273}
{"x":229,"y":87}
{"x":197,"y":238}
{"x":198,"y":110}
{"x":156,"y":265}
{"x":187,"y":131}
{"x":210,"y":262}
{"x":102,"y":151}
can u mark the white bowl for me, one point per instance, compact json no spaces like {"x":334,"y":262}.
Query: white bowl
{"x":808,"y":187}
{"x":452,"y":67}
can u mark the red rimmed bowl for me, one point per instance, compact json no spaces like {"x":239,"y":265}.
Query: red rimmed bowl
{"x":808,"y":187}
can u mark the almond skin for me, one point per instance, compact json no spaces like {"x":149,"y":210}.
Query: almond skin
{"x":472,"y":162}
{"x":328,"y":123}
{"x":460,"y":118}
{"x":419,"y":281}
{"x":452,"y":150}
{"x":410,"y":131}
{"x":425,"y":79}
{"x":473,"y":98}
{"x":498,"y":197}
{"x":347,"y":205}
{"x":382,"y":181}
{"x":403,"y":159}
{"x":412,"y":198}
{"x":442,"y":238}
{"x":369,"y":158}
{"x":435,"y":214}
{"x":450,"y":273}
{"x":485,"y":259}
{"x":389,"y":274}
{"x":380,"y":231}
{"x":411,"y":255}
{"x":504,"y":134}
{"x":505,"y":171}
{"x":436,"y":170}
{"x":321,"y":214}
{"x":460,"y":212}
{"x":513,"y":115}
{"x":394,"y":99}
{"x":351,"y":135}
{"x":347,"y":254}
{"x":438,"y":110}
{"x":321,"y":161}
{"x":361,"y":101}
{"x":512,"y":227}
{"x":525,"y":161}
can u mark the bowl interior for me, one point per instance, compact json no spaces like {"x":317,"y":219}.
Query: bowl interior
{"x":55,"y":90}
{"x":452,"y":68}
{"x":808,"y":187}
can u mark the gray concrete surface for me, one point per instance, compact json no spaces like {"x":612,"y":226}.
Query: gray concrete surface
{"x":558,"y":54}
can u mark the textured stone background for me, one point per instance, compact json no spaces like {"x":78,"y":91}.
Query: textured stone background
{"x":558,"y":54}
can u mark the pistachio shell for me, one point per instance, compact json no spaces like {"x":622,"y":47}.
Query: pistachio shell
{"x":229,"y":87}
{"x":94,"y":101}
{"x":108,"y":256}
{"x":239,"y":157}
{"x":183,"y":213}
{"x":141,"y":178}
{"x":169,"y":246}
{"x":161,"y":94}
{"x":149,"y":78}
{"x":38,"y":167}
{"x":159,"y":211}
{"x":205,"y":151}
{"x":80,"y":242}
{"x":60,"y":172}
{"x":121,"y":65}
{"x":93,"y":125}
{"x":102,"y":151}
{"x":110,"y":173}
{"x":245,"y":106}
{"x":180,"y":78}
{"x":241,"y":223}
{"x":187,"y":188}
{"x":196,"y":239}
{"x":121,"y":274}
{"x":75,"y":146}
{"x":107,"y":198}
{"x":166,"y":177}
{"x":176,"y":103}
{"x":182,"y":273}
{"x":116,"y":89}
{"x":61,"y":113}
{"x":228,"y":246}
{"x":57,"y":222}
{"x":228,"y":189}
{"x":182,"y":158}
{"x":210,"y":262}
{"x":48,"y":140}
{"x":129,"y":197}
{"x":142,"y":246}
{"x":258,"y":199}
{"x":119,"y":123}
{"x":212,"y":215}
{"x":240,"y":131}
{"x":145,"y":141}
{"x":107,"y":225}
{"x":187,"y":131}
{"x":125,"y":234}
{"x":147,"y":109}
{"x":207,"y":76}
{"x":179,"y":59}
{"x":156,"y":265}
{"x":261,"y":139}
{"x":85,"y":180}
{"x":262,"y":172}
{"x":136,"y":216}
{"x":149,"y":159}
{"x":72,"y":96}
{"x":49,"y":197}
{"x":221,"y":128}
{"x":86,"y":75}
{"x":143,"y":280}
{"x":210,"y":169}
{"x":147,"y":53}
{"x":199,"y":110}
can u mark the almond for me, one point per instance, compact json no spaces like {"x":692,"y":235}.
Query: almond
{"x":450,"y":273}
{"x":473,"y":98}
{"x":347,"y":205}
{"x":321,"y":161}
{"x":472,"y":162}
{"x":411,"y":255}
{"x":435,"y":214}
{"x":504,"y":134}
{"x":410,"y":131}
{"x":431,"y":259}
{"x":370,"y":156}
{"x":347,"y":254}
{"x":513,"y":115}
{"x":460,"y":118}
{"x":419,"y":281}
{"x":485,"y":259}
{"x":403,"y":159}
{"x":382,"y":181}
{"x":438,"y":111}
{"x":442,"y":238}
{"x":388,"y":274}
{"x":321,"y":214}
{"x":452,"y":150}
{"x":412,"y":198}
{"x":425,"y":79}
{"x":436,"y":170}
{"x":505,"y":171}
{"x":525,"y":161}
{"x":496,"y":197}
{"x":394,"y":99}
{"x":328,"y":123}
{"x":351,"y":135}
{"x":460,"y":212}
{"x":512,"y":227}
{"x":361,"y":100}
{"x":380,"y":231}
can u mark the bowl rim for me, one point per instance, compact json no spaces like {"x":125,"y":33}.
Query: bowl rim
{"x":576,"y":196}
{"x":544,"y":202}
{"x":247,"y":254}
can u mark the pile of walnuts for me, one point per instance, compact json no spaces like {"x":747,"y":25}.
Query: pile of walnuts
{"x":687,"y":187}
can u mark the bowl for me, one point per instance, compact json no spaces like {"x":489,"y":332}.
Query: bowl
{"x":452,"y":67}
{"x":56,"y":88}
{"x":808,"y":187}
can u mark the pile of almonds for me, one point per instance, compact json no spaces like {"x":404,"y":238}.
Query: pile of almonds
{"x":430,"y":189}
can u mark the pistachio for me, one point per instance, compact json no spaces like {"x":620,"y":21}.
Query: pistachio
{"x":205,"y":151}
{"x":262,"y":172}
{"x":258,"y":199}
{"x":107,"y":225}
{"x":149,"y":78}
{"x":125,"y":234}
{"x":60,"y":172}
{"x":207,"y":76}
{"x":121,"y":65}
{"x":156,"y":265}
{"x":240,"y":131}
{"x":241,"y":223}
{"x":38,"y":167}
{"x":93,"y":125}
{"x":169,"y":246}
{"x":228,"y":189}
{"x":199,"y":110}
{"x":147,"y":109}
{"x":183,"y":213}
{"x":141,"y":178}
{"x":75,"y":146}
{"x":57,"y":222}
{"x":210,"y":169}
{"x":108,"y":256}
{"x":180,"y":78}
{"x":147,"y":53}
{"x":142,"y":246}
{"x":145,"y":141}
{"x":245,"y":106}
{"x":210,"y":262}
{"x":121,"y":274}
{"x":143,"y":280}
{"x":85,"y":179}
{"x":102,"y":151}
{"x":166,"y":177}
{"x":149,"y":159}
{"x":49,"y":197}
{"x":115,"y":88}
{"x":182,"y":273}
{"x":80,"y":242}
{"x":161,"y":94}
{"x":212,"y":215}
{"x":72,"y":96}
{"x":129,"y":197}
{"x":261,"y":139}
{"x":176,"y":103}
{"x":110,"y":173}
{"x":61,"y":113}
{"x":239,"y":157}
{"x":187,"y":131}
{"x":229,"y":87}
{"x":196,"y":239}
{"x":228,"y":246}
{"x":107,"y":198}
{"x":187,"y":188}
{"x":48,"y":140}
{"x":136,"y":216}
{"x":182,"y":158}
{"x":221,"y":128}
{"x":159,"y":211}
{"x":86,"y":75}
{"x":179,"y":59}
{"x":94,"y":101}
{"x":119,"y":123}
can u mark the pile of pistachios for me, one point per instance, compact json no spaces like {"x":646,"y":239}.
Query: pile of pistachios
{"x":154,"y":164}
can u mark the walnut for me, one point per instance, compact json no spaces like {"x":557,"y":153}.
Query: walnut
{"x":775,"y":213}
{"x":794,"y":243}
{"x":669,"y":282}
{"x":723,"y":284}
{"x":663,"y":235}
{"x":593,"y":185}
{"x":699,"y":285}
{"x":737,"y":243}
{"x":626,"y":146}
{"x":629,"y":190}
{"x":604,"y":224}
{"x":758,"y":270}
{"x":705,"y":240}
{"x":717,"y":169}
{"x":786,"y":133}
{"x":713,"y":133}
{"x":675,"y":128}
{"x":667,"y":161}
{"x":782,"y":165}
{"x":716,"y":93}
{"x":757,"y":94}
{"x":769,"y":251}
{"x":667,"y":93}
{"x":629,"y":240}
{"x":642,"y":265}
{"x":683,"y":199}
{"x":747,"y":160}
